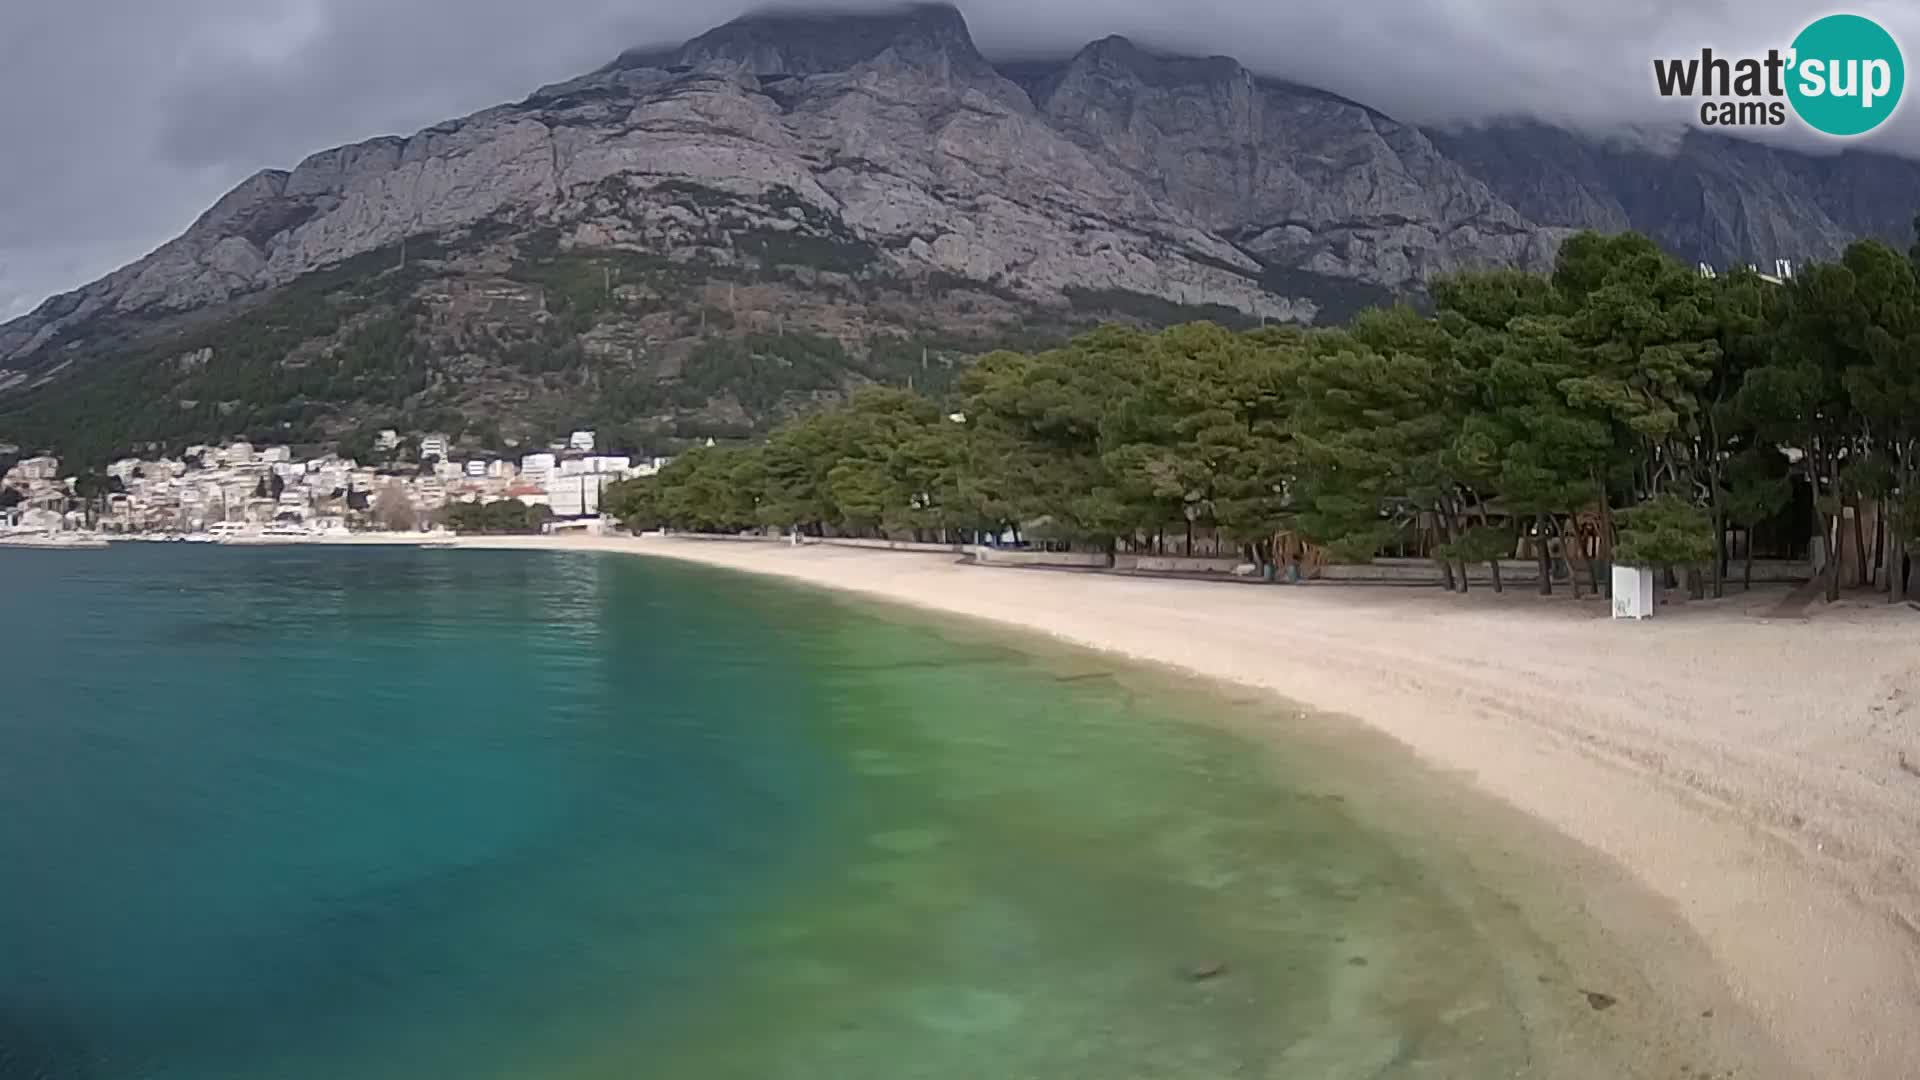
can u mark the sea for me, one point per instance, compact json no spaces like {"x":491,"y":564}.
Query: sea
{"x":312,"y":813}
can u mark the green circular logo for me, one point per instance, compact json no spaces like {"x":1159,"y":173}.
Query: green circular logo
{"x":1847,"y":75}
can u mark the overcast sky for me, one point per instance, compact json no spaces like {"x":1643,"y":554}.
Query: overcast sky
{"x":121,"y":120}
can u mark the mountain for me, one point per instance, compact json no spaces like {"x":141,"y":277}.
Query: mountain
{"x":700,"y":239}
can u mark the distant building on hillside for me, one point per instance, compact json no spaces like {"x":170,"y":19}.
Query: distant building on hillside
{"x":536,"y":468}
{"x":387,"y":440}
{"x":577,"y":495}
{"x":433,"y":446}
{"x":582,"y":441}
{"x":1782,"y":271}
{"x":26,"y":472}
{"x":597,"y":465}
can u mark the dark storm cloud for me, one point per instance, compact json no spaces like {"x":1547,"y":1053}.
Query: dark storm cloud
{"x":123,"y":119}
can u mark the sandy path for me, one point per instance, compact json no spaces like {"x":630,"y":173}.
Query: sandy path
{"x":1747,"y":771}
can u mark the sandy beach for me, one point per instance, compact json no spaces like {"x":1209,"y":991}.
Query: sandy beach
{"x":1761,"y":777}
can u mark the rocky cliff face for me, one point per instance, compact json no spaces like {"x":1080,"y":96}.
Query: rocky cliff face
{"x":888,"y":150}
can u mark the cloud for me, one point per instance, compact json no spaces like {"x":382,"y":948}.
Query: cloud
{"x":121,"y":120}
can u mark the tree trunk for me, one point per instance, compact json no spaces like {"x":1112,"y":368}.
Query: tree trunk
{"x":1544,"y":554}
{"x":1450,"y":532}
{"x":1880,"y":543}
{"x":1823,"y":527}
{"x":1898,"y":548}
{"x":1577,"y":541}
{"x":1493,"y":564}
{"x":1719,"y":550}
{"x":1454,"y":529}
{"x":1567,"y":547}
{"x":1830,"y":530}
{"x":1860,"y":544}
{"x":1439,"y":538}
{"x":1603,"y":542}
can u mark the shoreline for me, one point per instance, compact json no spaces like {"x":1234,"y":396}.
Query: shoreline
{"x":1746,"y":772}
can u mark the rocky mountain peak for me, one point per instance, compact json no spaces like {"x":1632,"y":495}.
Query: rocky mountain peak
{"x":872,"y":173}
{"x":1120,"y":55}
{"x":789,"y":42}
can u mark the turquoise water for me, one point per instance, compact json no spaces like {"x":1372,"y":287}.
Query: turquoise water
{"x":302,"y":813}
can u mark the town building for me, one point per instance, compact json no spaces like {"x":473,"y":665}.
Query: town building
{"x":240,"y":486}
{"x":30,"y":471}
{"x":537,"y":468}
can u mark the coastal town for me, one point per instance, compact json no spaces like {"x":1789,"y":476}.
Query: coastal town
{"x":240,"y":490}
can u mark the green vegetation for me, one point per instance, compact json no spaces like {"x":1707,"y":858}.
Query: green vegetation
{"x":834,"y":254}
{"x":245,"y":375}
{"x":1622,"y":407}
{"x":761,"y":369}
{"x":504,"y":516}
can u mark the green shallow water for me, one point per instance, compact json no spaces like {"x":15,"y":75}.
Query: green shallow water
{"x":392,"y":813}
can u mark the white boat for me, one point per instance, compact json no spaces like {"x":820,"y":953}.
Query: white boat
{"x":238,"y":533}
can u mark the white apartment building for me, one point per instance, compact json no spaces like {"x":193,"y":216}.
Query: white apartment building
{"x":33,"y":469}
{"x":537,"y":468}
{"x":577,"y":495}
{"x":596,"y":466}
{"x":433,"y":446}
{"x":476,"y":468}
{"x":581,"y":441}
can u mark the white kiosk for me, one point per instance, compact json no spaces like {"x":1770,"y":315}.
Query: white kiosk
{"x":1632,"y":592}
